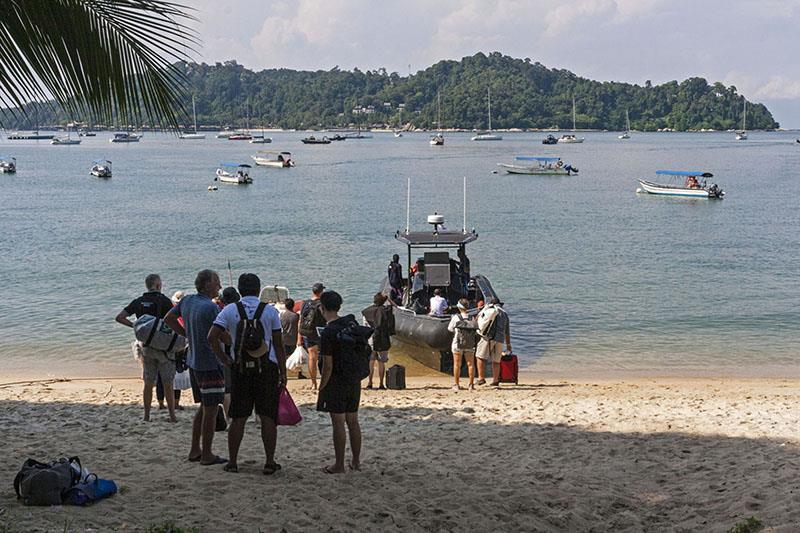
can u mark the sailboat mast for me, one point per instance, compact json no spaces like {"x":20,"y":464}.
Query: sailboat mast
{"x":194,"y":114}
{"x":744,"y":116}
{"x":439,"y":111}
{"x":489,"y":105}
{"x":573,"y":113}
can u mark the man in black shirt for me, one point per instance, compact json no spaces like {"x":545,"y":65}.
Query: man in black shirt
{"x":339,"y":394}
{"x":156,"y":365}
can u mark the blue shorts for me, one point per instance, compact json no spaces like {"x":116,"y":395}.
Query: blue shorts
{"x":208,"y":386}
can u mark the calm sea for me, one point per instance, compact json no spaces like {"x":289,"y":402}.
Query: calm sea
{"x":596,"y":279}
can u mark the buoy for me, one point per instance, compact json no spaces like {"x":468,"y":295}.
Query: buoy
{"x":639,"y":190}
{"x":494,"y":172}
{"x":212,"y":188}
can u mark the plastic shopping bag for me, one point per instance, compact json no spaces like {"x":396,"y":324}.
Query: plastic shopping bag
{"x":298,"y":358}
{"x":288,"y":413}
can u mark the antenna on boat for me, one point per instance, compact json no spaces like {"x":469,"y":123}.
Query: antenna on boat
{"x":464,"y":227}
{"x":408,"y":206}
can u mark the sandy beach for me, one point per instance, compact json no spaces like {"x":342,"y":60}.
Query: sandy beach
{"x":547,"y":455}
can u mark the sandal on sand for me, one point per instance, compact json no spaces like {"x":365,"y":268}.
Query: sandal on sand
{"x":230,"y":467}
{"x":481,"y":382}
{"x":216,"y":461}
{"x":270,"y":469}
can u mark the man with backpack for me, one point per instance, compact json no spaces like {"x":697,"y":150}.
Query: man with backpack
{"x":258,"y":367}
{"x":311,"y":319}
{"x":157,"y":367}
{"x":345,"y":355}
{"x":380,"y":318}
{"x":493,"y":331}
{"x":464,"y":330}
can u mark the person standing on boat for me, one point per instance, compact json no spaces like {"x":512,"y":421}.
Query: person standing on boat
{"x":205,"y":370}
{"x":463,"y":346}
{"x":463,"y":267}
{"x":493,"y":332}
{"x":380,"y":318}
{"x":156,"y":366}
{"x":310,"y":319}
{"x":396,"y":279}
{"x":438,"y":304}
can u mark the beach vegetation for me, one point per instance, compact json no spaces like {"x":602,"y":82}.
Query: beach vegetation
{"x":749,"y":525}
{"x":103,"y":61}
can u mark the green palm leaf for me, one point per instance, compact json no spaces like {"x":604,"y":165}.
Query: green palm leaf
{"x":110,"y":60}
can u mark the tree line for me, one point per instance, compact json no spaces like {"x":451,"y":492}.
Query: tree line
{"x":524,"y":94}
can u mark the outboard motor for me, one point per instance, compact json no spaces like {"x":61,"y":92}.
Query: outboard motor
{"x":570,"y":169}
{"x":715,"y":191}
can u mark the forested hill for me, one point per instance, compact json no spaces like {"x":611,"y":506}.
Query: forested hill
{"x":524,"y":94}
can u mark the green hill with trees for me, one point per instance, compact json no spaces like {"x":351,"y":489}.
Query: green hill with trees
{"x":525,"y":94}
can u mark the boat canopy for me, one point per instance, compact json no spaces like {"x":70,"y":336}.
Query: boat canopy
{"x":273,"y":152}
{"x":436,"y":239}
{"x":533,"y":158}
{"x":101,"y":161}
{"x":686,"y":173}
{"x":235,"y":165}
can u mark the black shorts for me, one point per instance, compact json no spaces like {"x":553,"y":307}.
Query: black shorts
{"x":309,"y":342}
{"x":208,"y":386}
{"x":340,"y":397}
{"x":255,"y":390}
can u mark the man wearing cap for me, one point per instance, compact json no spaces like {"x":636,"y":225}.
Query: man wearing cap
{"x":490,"y":346}
{"x":257,"y":373}
{"x":310,"y":319}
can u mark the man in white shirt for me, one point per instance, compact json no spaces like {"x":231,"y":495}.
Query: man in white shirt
{"x":258,"y":369}
{"x":438,"y":304}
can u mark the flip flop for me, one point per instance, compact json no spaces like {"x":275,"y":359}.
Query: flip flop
{"x":230,"y":467}
{"x":217,"y":461}
{"x":270,"y":469}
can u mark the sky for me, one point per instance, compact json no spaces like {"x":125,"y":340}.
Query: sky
{"x":751,"y":44}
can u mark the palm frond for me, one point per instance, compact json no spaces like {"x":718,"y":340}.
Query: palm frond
{"x":109,"y":60}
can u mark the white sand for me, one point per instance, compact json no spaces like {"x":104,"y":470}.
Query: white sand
{"x":654,"y":455}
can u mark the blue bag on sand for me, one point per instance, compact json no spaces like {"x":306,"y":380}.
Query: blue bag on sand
{"x":91,"y":491}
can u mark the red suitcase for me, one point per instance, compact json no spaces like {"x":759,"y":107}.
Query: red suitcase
{"x":509,"y":369}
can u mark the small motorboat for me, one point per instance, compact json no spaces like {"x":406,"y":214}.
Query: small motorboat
{"x":8,"y":164}
{"x":226,"y":134}
{"x":64,"y":141}
{"x":549,"y":140}
{"x":398,"y":134}
{"x":694,"y":185}
{"x":125,"y":137}
{"x":101,"y":169}
{"x":240,"y":137}
{"x":570,"y":139}
{"x":544,"y":166}
{"x":273,"y":159}
{"x":86,"y":133}
{"x":487,"y":136}
{"x":234,"y":173}
{"x":437,"y":140}
{"x":338,"y":137}
{"x":314,"y":140}
{"x":260,"y":139}
{"x":189,"y":136}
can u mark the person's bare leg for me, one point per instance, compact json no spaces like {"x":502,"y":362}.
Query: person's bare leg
{"x":269,"y":436}
{"x":226,"y":406}
{"x":147,"y":394}
{"x":197,"y":424}
{"x":372,"y":363}
{"x":471,"y":369}
{"x":235,"y":434}
{"x":339,"y":442}
{"x":381,"y":372}
{"x":169,"y":396}
{"x":495,"y":373}
{"x":354,"y":429}
{"x":481,"y":369}
{"x":457,"y":368}
{"x":209,"y":424}
{"x":313,"y":355}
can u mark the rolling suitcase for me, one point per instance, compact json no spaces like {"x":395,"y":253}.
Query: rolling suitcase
{"x":509,"y":369}
{"x":396,"y":377}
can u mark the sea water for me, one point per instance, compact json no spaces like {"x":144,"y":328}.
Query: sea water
{"x":596,"y":278}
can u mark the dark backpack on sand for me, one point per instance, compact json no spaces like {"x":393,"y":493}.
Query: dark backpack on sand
{"x":310,"y":319}
{"x":250,"y":336}
{"x":353,"y":340}
{"x":46,"y":484}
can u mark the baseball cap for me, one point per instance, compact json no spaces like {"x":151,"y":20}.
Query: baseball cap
{"x":317,"y":287}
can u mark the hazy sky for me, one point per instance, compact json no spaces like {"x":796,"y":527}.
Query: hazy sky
{"x":752,"y":44}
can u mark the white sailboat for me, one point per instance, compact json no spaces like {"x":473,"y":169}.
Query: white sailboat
{"x":627,"y":134}
{"x":488,"y":135}
{"x":398,"y":132}
{"x":65,"y":141}
{"x":195,"y":135}
{"x":438,"y":139}
{"x":741,"y":135}
{"x":571,"y":139}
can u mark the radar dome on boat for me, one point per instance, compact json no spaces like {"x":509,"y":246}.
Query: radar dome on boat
{"x":436,"y":219}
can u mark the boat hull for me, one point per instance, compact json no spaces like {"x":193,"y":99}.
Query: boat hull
{"x":571,"y":141}
{"x":685,"y":192}
{"x":516,"y":169}
{"x":233,"y":179}
{"x":270,"y":163}
{"x":29,"y":137}
{"x":65,"y":142}
{"x":487,"y":137}
{"x":192,"y":136}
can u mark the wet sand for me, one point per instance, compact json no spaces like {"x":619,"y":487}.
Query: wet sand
{"x":548,"y":455}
